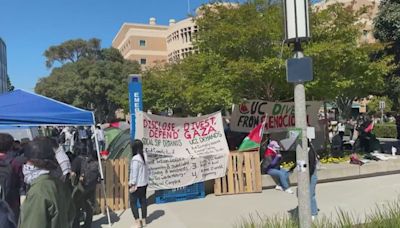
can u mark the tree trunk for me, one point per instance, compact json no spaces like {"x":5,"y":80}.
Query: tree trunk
{"x":344,"y":105}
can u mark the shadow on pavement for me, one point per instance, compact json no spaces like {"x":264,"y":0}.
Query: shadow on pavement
{"x":103,"y":220}
{"x":155,"y":215}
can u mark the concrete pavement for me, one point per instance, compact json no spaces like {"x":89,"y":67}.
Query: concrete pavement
{"x":358,"y":196}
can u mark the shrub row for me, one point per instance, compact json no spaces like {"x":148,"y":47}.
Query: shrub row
{"x":385,"y":131}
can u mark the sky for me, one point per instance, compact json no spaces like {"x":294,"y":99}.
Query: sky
{"x":29,"y":27}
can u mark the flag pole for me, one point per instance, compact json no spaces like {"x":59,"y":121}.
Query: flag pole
{"x":262,"y":135}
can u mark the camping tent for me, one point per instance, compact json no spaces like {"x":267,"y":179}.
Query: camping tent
{"x":28,"y":109}
{"x":21,"y":108}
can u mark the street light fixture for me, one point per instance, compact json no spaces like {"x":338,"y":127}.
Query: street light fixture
{"x":297,"y":23}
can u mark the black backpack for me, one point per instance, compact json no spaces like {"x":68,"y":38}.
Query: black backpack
{"x":90,"y":173}
{"x":5,"y":178}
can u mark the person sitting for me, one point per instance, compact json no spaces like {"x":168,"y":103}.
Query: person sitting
{"x":271,"y":166}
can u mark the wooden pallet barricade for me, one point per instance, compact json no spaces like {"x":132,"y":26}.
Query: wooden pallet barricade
{"x":116,"y":176}
{"x":243,"y":175}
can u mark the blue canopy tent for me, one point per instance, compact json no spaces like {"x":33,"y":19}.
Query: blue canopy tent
{"x":22,"y":108}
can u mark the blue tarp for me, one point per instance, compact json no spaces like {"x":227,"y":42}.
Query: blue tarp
{"x":21,"y":108}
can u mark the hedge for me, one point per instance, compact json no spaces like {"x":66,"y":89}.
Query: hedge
{"x":385,"y":131}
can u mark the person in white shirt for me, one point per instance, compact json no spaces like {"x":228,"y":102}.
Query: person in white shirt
{"x":341,"y":130}
{"x":100,"y":137}
{"x":138,"y":181}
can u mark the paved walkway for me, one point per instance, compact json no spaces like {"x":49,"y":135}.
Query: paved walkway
{"x":358,"y":196}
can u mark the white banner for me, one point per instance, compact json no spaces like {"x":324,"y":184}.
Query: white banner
{"x":280,"y":115}
{"x":183,"y":151}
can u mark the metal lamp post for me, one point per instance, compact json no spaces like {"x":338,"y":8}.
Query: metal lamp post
{"x":299,"y":70}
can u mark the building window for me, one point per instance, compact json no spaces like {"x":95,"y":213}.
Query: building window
{"x":142,"y":43}
{"x":143,"y":61}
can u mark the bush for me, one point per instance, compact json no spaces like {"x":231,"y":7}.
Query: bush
{"x":385,"y":131}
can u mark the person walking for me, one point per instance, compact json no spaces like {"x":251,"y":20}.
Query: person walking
{"x":138,"y":181}
{"x":48,"y":202}
{"x":85,"y":176}
{"x":271,"y":166}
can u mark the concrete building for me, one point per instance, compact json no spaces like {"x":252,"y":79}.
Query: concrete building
{"x":3,"y":67}
{"x":151,"y":44}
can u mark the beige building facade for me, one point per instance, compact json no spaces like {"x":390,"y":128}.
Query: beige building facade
{"x":152,"y":44}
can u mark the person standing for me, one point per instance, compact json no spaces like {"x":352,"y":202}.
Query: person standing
{"x":341,"y":129}
{"x":48,"y":202}
{"x":138,"y":181}
{"x":398,"y":125}
{"x":11,"y":177}
{"x":99,"y":133}
{"x":312,"y":162}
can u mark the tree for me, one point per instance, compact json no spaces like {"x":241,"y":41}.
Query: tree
{"x":240,"y":58}
{"x":387,"y":30}
{"x":387,"y":22}
{"x":72,"y":51}
{"x":373,"y":105}
{"x":9,"y":85}
{"x":196,"y":85}
{"x":343,"y":67}
{"x":97,"y":83}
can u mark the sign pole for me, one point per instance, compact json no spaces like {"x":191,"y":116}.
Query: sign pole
{"x":382,"y":105}
{"x":303,"y":178}
{"x":299,"y":70}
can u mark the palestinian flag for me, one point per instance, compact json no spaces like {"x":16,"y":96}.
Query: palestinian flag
{"x":253,"y":140}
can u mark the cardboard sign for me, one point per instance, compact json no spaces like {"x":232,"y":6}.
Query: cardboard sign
{"x":183,"y":151}
{"x":280,"y":115}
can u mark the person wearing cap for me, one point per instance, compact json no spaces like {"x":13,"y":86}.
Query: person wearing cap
{"x":48,"y":201}
{"x":271,"y":166}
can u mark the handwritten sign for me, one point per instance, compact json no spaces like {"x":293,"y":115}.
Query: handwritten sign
{"x":183,"y":151}
{"x":249,"y":114}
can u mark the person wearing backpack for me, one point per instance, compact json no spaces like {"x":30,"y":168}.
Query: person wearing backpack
{"x":11,"y":177}
{"x":85,"y":176}
{"x":48,"y":202}
{"x":138,"y":181}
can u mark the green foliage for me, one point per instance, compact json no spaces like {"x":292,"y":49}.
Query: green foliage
{"x":9,"y":85}
{"x":373,"y":105}
{"x":385,"y":131}
{"x":194,"y":86}
{"x":252,"y":30}
{"x":343,"y":69}
{"x":242,"y":57}
{"x":72,"y":51}
{"x":387,"y":30}
{"x":387,"y":21}
{"x":98,"y":83}
{"x":382,"y":216}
